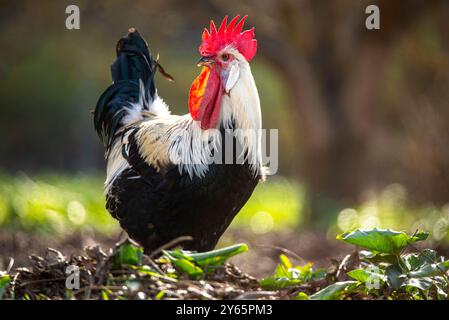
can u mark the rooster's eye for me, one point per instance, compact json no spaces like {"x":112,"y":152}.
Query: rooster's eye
{"x":225,"y":57}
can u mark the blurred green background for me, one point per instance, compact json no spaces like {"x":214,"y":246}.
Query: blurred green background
{"x":363,"y":116}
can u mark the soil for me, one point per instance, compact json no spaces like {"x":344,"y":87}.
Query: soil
{"x":37,"y":266}
{"x":260,"y":261}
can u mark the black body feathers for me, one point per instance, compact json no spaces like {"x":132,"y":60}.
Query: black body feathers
{"x":157,"y":207}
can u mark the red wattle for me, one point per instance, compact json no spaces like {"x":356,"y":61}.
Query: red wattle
{"x":205,"y":98}
{"x":210,"y":106}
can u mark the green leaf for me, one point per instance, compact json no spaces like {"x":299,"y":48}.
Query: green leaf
{"x":301,"y":296}
{"x":318,"y":274}
{"x":186,"y":266}
{"x":127,"y":254}
{"x":335,"y":291}
{"x":359,"y":274}
{"x":376,"y":257}
{"x":148,"y":271}
{"x":364,"y":276}
{"x":160,"y":295}
{"x":286,"y":275}
{"x":440,"y":291}
{"x":415,"y":261}
{"x":5,"y":279}
{"x":209,"y":258}
{"x":104,"y":295}
{"x":285,"y":261}
{"x":381,"y":240}
{"x":430,"y":270}
{"x":425,"y":284}
{"x":273,"y":283}
{"x":420,"y":283}
{"x":282,"y":268}
{"x":395,"y":277}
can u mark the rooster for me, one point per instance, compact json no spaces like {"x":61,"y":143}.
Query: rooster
{"x":166,"y":174}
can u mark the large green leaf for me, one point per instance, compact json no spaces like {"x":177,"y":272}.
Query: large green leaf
{"x":209,"y":258}
{"x":191,"y":262}
{"x":335,"y":291}
{"x":381,"y":240}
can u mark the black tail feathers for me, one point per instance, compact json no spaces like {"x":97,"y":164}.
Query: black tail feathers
{"x":133,"y":68}
{"x":134,"y":61}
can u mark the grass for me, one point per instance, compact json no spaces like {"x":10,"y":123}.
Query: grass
{"x":53,"y":204}
{"x":276,"y":205}
{"x":56,"y":204}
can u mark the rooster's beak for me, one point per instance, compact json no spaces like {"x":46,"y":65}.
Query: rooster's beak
{"x":205,"y":61}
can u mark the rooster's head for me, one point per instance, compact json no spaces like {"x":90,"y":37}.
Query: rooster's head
{"x":224,"y":53}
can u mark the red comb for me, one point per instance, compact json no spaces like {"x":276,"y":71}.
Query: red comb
{"x":213,"y":40}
